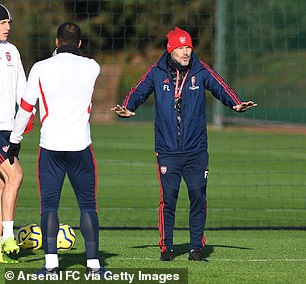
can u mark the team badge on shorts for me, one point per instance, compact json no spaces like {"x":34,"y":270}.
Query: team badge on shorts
{"x":5,"y":148}
{"x":163,"y":169}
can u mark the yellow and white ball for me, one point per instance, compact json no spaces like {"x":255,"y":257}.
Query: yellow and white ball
{"x":65,"y":237}
{"x":29,"y":237}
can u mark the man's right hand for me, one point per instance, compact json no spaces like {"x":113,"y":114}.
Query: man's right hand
{"x":13,"y":152}
{"x":122,"y":111}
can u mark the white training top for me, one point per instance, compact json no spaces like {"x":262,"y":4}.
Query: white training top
{"x":12,"y":84}
{"x":64,"y":86}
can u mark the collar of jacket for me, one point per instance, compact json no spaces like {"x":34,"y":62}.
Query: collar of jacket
{"x":173,"y":65}
{"x":68,"y":48}
{"x":195,"y":64}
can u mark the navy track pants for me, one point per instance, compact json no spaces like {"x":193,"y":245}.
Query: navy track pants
{"x":193,"y":167}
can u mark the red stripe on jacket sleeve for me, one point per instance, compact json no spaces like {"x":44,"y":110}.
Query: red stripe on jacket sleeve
{"x":132,"y":90}
{"x":44,"y":103}
{"x":225,"y":86}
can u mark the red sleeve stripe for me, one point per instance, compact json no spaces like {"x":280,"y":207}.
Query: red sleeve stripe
{"x":127,"y":98}
{"x":26,"y":106}
{"x":226,"y":87}
{"x":44,"y":103}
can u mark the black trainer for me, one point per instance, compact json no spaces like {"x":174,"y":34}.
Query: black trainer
{"x":101,"y":271}
{"x":45,"y":271}
{"x":168,"y":255}
{"x":196,"y":255}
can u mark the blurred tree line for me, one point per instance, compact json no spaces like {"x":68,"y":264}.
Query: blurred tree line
{"x":133,"y":33}
{"x":112,"y":27}
{"x":129,"y":33}
{"x":109,"y":28}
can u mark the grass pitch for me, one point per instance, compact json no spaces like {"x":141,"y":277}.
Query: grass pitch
{"x":257,"y":179}
{"x":234,"y":256}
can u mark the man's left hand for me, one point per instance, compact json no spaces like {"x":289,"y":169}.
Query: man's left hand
{"x":244,"y":106}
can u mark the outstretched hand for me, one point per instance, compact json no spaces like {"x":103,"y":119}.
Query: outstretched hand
{"x":244,"y":106}
{"x":122,"y":111}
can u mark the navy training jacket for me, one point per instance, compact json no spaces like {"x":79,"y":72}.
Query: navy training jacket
{"x":157,"y":79}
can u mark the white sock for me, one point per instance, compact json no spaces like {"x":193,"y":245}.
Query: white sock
{"x":8,"y":229}
{"x":51,"y":261}
{"x":93,"y":263}
{"x":0,"y":239}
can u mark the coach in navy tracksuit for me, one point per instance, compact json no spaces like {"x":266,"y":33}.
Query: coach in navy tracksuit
{"x":179,"y":80}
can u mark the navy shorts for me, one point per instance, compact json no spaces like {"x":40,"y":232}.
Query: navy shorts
{"x":4,"y":144}
{"x":80,"y":167}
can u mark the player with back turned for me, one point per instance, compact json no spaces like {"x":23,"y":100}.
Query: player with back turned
{"x":179,"y":80}
{"x":63,"y":85}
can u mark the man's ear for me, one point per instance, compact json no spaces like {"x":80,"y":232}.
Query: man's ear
{"x":56,"y":42}
{"x":80,"y":43}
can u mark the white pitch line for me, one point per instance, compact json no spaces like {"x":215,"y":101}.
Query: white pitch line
{"x":221,"y":259}
{"x":260,"y":260}
{"x":183,"y":209}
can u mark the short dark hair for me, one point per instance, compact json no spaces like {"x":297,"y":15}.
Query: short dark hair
{"x":68,"y":34}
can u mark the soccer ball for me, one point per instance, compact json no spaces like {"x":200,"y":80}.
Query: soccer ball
{"x":65,"y":237}
{"x":30,"y":237}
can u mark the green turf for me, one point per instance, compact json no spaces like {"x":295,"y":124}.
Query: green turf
{"x":233,"y":256}
{"x":256,"y":179}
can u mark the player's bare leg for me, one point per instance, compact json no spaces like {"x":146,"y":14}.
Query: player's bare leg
{"x":13,"y":180}
{"x":3,"y":257}
{"x":13,"y":176}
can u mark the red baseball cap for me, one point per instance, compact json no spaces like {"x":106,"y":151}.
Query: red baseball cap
{"x":177,"y":38}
